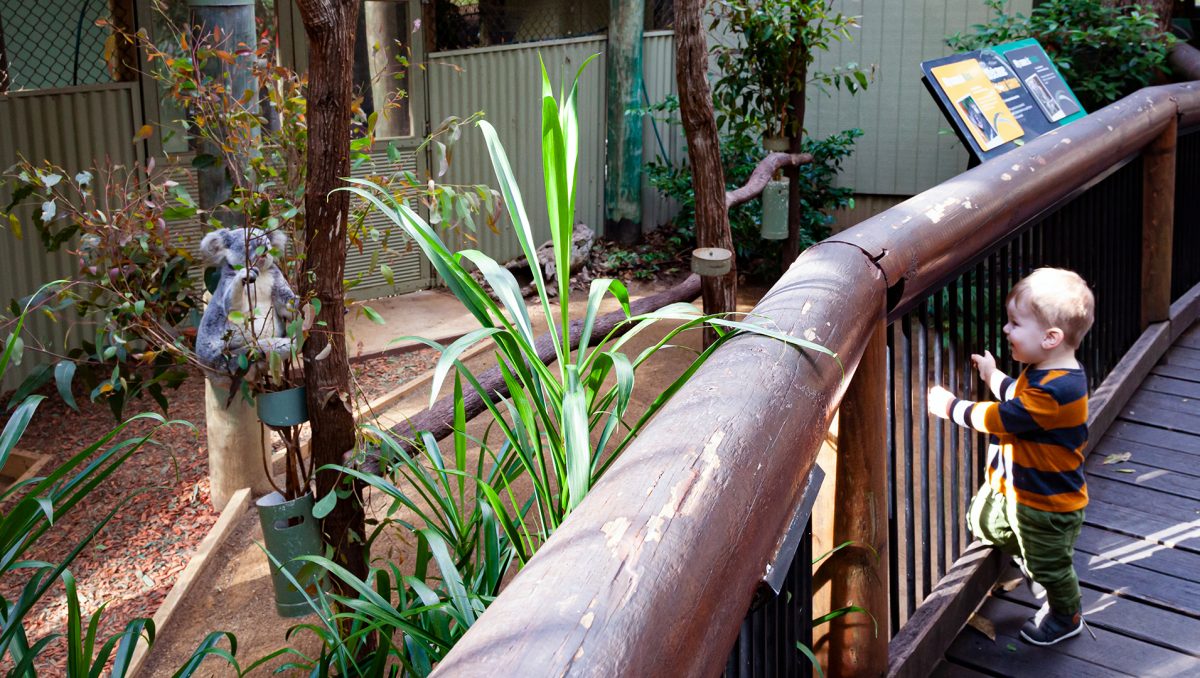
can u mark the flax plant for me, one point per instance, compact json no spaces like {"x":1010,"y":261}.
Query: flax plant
{"x":31,"y":509}
{"x":548,"y":419}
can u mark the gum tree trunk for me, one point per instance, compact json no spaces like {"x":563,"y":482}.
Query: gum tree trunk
{"x":704,"y":152}
{"x":330,"y":25}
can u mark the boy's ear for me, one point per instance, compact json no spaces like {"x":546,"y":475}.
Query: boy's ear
{"x":1054,"y":337}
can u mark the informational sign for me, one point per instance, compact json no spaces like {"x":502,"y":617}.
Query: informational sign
{"x":999,"y":98}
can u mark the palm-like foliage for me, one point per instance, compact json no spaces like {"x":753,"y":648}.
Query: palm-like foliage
{"x":34,"y":506}
{"x":548,"y":420}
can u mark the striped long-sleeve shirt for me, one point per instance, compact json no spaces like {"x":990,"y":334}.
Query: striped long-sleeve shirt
{"x":1038,"y":432}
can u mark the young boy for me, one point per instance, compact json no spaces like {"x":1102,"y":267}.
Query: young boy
{"x":1031,"y":505}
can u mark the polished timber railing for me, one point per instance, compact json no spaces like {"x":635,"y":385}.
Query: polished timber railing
{"x":655,"y":570}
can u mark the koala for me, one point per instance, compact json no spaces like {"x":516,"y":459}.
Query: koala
{"x":256,"y":288}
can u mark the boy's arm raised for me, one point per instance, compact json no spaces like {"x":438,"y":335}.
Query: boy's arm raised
{"x":1016,"y":415}
{"x":1000,"y":384}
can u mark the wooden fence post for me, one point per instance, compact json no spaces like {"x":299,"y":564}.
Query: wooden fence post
{"x":1158,"y":224}
{"x":860,"y":571}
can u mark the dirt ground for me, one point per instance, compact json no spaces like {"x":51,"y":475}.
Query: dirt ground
{"x":234,"y":593}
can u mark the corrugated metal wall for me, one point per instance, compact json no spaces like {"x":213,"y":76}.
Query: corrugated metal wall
{"x":658,"y":69}
{"x":69,"y":128}
{"x":505,"y":83}
{"x":907,"y":145}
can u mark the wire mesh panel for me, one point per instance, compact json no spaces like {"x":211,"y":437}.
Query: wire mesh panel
{"x":935,"y":467}
{"x":463,"y":24}
{"x":1185,"y":260}
{"x":58,"y":43}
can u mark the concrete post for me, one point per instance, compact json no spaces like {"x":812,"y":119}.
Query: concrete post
{"x":237,"y":441}
{"x":238,"y":445}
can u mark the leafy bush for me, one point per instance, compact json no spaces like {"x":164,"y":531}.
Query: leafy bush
{"x":762,"y":75}
{"x":775,"y":43}
{"x":134,"y":282}
{"x":741,"y":151}
{"x":1104,"y":52}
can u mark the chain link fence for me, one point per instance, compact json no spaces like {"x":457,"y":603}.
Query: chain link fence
{"x":464,"y":24}
{"x":48,"y":44}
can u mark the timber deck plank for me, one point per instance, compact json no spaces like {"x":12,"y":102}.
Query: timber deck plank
{"x":1138,"y":554}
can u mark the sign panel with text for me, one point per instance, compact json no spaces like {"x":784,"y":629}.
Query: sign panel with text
{"x":999,"y":98}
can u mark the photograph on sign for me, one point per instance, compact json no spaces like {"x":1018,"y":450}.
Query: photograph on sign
{"x":983,"y":130}
{"x":1051,"y":92}
{"x":978,"y":104}
{"x":1043,"y":97}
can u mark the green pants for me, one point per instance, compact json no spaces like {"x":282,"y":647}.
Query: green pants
{"x":1044,"y":540}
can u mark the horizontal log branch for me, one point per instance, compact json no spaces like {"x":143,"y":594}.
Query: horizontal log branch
{"x":762,"y":174}
{"x":439,"y":418}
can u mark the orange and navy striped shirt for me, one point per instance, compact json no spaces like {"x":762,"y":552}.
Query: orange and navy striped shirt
{"x":1038,"y":432}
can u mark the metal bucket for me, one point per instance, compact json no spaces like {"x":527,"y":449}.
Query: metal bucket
{"x":290,"y":530}
{"x":283,"y":408}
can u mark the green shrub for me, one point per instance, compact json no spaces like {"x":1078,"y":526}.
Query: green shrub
{"x":1104,"y":52}
{"x":741,"y":150}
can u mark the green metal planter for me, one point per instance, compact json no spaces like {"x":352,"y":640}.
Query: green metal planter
{"x":775,"y":210}
{"x":283,"y":408}
{"x":289,"y":531}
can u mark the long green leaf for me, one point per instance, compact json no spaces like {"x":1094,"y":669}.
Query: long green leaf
{"x":15,"y":428}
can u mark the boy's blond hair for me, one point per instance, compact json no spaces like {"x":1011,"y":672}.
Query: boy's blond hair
{"x":1057,"y":298}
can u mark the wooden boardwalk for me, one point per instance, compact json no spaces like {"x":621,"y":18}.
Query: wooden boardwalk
{"x":1138,"y":556}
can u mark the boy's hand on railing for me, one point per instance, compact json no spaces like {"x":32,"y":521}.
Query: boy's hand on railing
{"x":986,"y":364}
{"x":939,"y":402}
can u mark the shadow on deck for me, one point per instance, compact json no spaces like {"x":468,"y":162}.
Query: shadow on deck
{"x":1138,"y":557}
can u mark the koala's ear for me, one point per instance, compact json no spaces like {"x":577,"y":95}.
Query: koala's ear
{"x":278,"y":240}
{"x":214,"y":245}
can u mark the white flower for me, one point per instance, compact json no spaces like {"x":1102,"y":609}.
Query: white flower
{"x":83,"y":178}
{"x":49,"y":209}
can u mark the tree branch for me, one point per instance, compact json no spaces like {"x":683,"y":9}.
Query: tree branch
{"x":439,"y":418}
{"x":762,"y":174}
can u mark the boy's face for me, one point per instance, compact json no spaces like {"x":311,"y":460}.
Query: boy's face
{"x":1026,"y":334}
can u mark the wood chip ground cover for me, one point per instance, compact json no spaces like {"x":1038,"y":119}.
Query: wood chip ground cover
{"x":134,"y":561}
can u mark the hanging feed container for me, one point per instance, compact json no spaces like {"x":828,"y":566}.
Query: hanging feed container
{"x":289,"y":531}
{"x":711,"y":261}
{"x":775,"y":210}
{"x":283,"y":408}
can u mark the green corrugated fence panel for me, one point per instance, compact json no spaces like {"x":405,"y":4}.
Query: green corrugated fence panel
{"x":658,"y":68}
{"x":75,"y":129}
{"x":505,"y":83}
{"x":907,"y":146}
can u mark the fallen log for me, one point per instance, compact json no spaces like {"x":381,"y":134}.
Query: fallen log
{"x":439,"y":418}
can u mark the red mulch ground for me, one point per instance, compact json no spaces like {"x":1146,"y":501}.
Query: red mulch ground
{"x":135,"y":559}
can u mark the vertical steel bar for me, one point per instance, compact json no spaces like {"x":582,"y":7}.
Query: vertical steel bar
{"x":893,"y":450}
{"x":910,"y":550}
{"x":923,"y":427}
{"x":939,"y":438}
{"x":955,"y":378}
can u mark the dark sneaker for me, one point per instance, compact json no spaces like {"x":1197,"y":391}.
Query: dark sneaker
{"x":1048,"y":628}
{"x":1035,"y":589}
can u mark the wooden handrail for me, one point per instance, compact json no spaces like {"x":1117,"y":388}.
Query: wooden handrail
{"x":654,"y":571}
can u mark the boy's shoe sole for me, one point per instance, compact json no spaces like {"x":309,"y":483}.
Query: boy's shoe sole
{"x":1047,"y":632}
